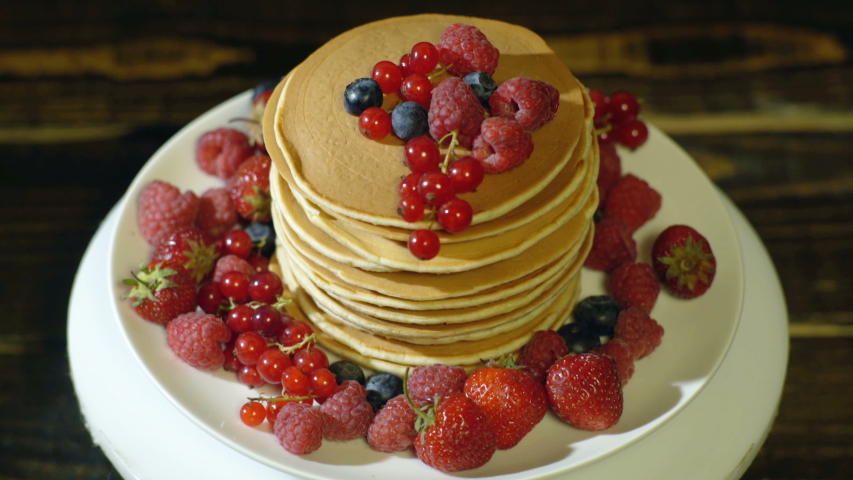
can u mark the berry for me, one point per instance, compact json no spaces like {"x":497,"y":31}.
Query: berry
{"x":482,"y":84}
{"x":541,"y":351}
{"x":466,"y":174}
{"x":248,"y":375}
{"x":231,"y":263}
{"x":586,"y":391}
{"x":209,"y":298}
{"x":619,"y":352}
{"x":295,"y":381}
{"x":683,"y":261}
{"x":597,"y":313}
{"x":262,"y":236}
{"x":271,"y":364}
{"x":454,"y":107}
{"x":600,"y":101}
{"x":388,"y":76}
{"x":322,"y":382}
{"x":259,"y":262}
{"x":239,"y":319}
{"x":465,"y":49}
{"x":231,"y":362}
{"x":422,"y":155}
{"x":163,"y":210}
{"x":190,"y":251}
{"x":160,"y":294}
{"x":531,"y":103}
{"x":405,"y":65}
{"x":426,"y":383}
{"x":641,"y":333}
{"x":346,"y":414}
{"x":253,"y":413}
{"x":578,"y":338}
{"x":455,"y":215}
{"x":622,"y":107}
{"x":605,"y":135}
{"x":435,"y":188}
{"x":362,"y":94}
{"x":197,"y":339}
{"x":416,"y":88}
{"x":374,"y":123}
{"x":411,"y":208}
{"x":459,"y":437}
{"x":260,"y":98}
{"x":409,"y":120}
{"x":423,"y":58}
{"x":250,"y":189}
{"x":345,"y":370}
{"x":612,"y":245}
{"x":299,"y":428}
{"x":393,"y":427}
{"x":237,"y":242}
{"x":513,"y":400}
{"x":249,"y":347}
{"x":409,"y":184}
{"x":216,"y":212}
{"x":235,"y":286}
{"x":502,"y":145}
{"x":634,"y":285}
{"x":266,"y":320}
{"x":381,"y":387}
{"x":265,"y":287}
{"x":310,"y":359}
{"x":219,"y":152}
{"x":632,"y":134}
{"x":633,"y":201}
{"x":294,"y":333}
{"x":609,"y":170}
{"x":424,"y":244}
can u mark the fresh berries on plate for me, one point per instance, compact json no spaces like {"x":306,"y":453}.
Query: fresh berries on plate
{"x":381,"y":387}
{"x":641,"y":333}
{"x":219,"y":152}
{"x":616,"y":119}
{"x":346,"y":414}
{"x":250,"y":189}
{"x":393,"y":426}
{"x":454,"y":107}
{"x":541,"y":351}
{"x":586,"y":391}
{"x":502,"y":145}
{"x":579,"y":338}
{"x":262,"y":236}
{"x":618,"y":350}
{"x":634,"y":285}
{"x":409,"y":120}
{"x":189,"y":250}
{"x":299,"y":428}
{"x":163,"y":210}
{"x":482,"y":84}
{"x":465,"y":49}
{"x":612,"y":245}
{"x":344,"y":370}
{"x":216,"y":212}
{"x":597,"y":313}
{"x":684,"y":261}
{"x":362,"y":94}
{"x":160,"y":294}
{"x":197,"y":338}
{"x":531,"y":103}
{"x":426,"y":383}
{"x":260,"y":97}
{"x":633,"y":201}
{"x":231,"y":263}
{"x":609,"y":170}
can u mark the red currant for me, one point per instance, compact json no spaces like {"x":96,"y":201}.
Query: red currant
{"x":466,"y":174}
{"x":310,"y":359}
{"x":417,"y":88}
{"x":295,"y":382}
{"x":231,"y":362}
{"x":422,"y":155}
{"x":248,"y":375}
{"x":424,"y":58}
{"x":600,"y":101}
{"x":237,"y":242}
{"x":455,"y":215}
{"x":424,"y":244}
{"x":240,"y":319}
{"x":435,"y":188}
{"x":209,"y":298}
{"x":235,"y":285}
{"x":409,"y":184}
{"x":272,"y":364}
{"x":265,"y":287}
{"x":259,"y":262}
{"x":323,"y":382}
{"x":253,"y":413}
{"x":606,"y":136}
{"x":388,"y":76}
{"x":249,"y":347}
{"x":632,"y":134}
{"x":623,"y":107}
{"x":411,"y":208}
{"x":267,"y":321}
{"x":294,"y":332}
{"x":374,"y":123}
{"x":405,"y":65}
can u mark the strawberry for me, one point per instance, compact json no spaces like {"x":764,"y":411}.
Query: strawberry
{"x":190,"y":250}
{"x":684,"y":262}
{"x":641,"y":333}
{"x":541,"y":351}
{"x":586,"y":391}
{"x":633,"y":201}
{"x":634,"y":284}
{"x":454,"y":434}
{"x":612,"y":245}
{"x":513,"y":400}
{"x":250,"y":189}
{"x":260,"y":97}
{"x":161,"y":294}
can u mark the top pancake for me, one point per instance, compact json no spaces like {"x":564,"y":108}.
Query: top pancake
{"x":329,"y":162}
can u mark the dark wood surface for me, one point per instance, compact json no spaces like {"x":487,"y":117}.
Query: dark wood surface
{"x":760,"y":92}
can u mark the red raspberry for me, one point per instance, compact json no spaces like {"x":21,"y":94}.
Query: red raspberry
{"x":634,"y":285}
{"x":541,"y":351}
{"x":219,"y":152}
{"x":231,"y":263}
{"x":197,"y":339}
{"x":502,"y":145}
{"x":299,"y":428}
{"x":633,"y":201}
{"x":641,"y":333}
{"x":346,"y":414}
{"x":216,"y":212}
{"x":465,"y":49}
{"x":425,"y":383}
{"x":619,"y":351}
{"x":163,"y":210}
{"x":455,"y":107}
{"x":250,"y":189}
{"x":612,"y":245}
{"x":393,"y":427}
{"x":531,"y":103}
{"x":609,"y":170}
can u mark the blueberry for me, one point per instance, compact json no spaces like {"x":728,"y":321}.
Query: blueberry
{"x":482,"y":84}
{"x":361,"y":95}
{"x":345,"y":370}
{"x":266,"y":85}
{"x":578,"y":338}
{"x":598,"y":313}
{"x":263,"y":236}
{"x":381,"y":387}
{"x":409,"y":120}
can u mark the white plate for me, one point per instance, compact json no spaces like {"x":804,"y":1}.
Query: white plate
{"x":698,"y":332}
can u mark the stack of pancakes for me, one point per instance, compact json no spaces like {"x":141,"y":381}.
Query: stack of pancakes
{"x":342,"y":246}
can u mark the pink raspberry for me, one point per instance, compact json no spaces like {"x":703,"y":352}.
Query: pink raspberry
{"x":633,"y":201}
{"x":231,"y":263}
{"x":299,"y":428}
{"x":634,"y":285}
{"x":455,"y":107}
{"x":163,"y":210}
{"x":532,"y":103}
{"x":393,"y":427}
{"x":466,"y":50}
{"x":346,"y":414}
{"x":502,"y":145}
{"x":609,"y":170}
{"x":197,"y":339}
{"x":612,"y":246}
{"x":216,"y":212}
{"x":219,"y":152}
{"x":541,"y":351}
{"x":641,"y":333}
{"x":618,"y":350}
{"x":425,"y":383}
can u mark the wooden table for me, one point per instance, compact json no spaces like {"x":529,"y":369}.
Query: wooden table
{"x":757,"y":92}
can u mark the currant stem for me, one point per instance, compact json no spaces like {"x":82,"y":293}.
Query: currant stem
{"x":305,"y":341}
{"x":439,"y":72}
{"x":282,"y":398}
{"x":454,"y":140}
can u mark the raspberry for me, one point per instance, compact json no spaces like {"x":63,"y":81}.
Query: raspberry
{"x":465,"y":49}
{"x":541,"y":351}
{"x":455,"y":107}
{"x":163,"y":210}
{"x":612,"y":246}
{"x":619,"y":351}
{"x":425,"y":383}
{"x":633,"y":201}
{"x":393,"y":427}
{"x":219,"y":152}
{"x":641,"y":333}
{"x":216,"y":212}
{"x":531,"y":103}
{"x":501,"y":145}
{"x":634,"y":285}
{"x":346,"y":414}
{"x":231,"y":263}
{"x":299,"y":428}
{"x":250,"y":189}
{"x":609,"y":170}
{"x":196,"y":338}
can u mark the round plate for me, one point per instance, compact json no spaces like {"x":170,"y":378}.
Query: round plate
{"x":698,"y":332}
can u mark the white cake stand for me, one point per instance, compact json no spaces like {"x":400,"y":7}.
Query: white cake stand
{"x":715,"y":437}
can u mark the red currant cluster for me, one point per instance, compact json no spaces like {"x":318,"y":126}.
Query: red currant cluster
{"x":616,"y":119}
